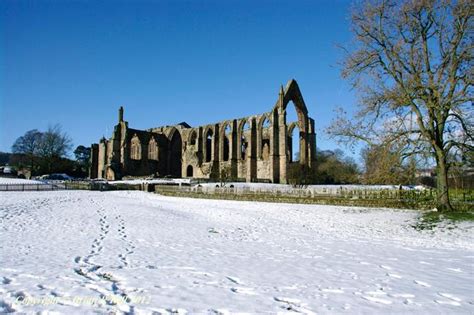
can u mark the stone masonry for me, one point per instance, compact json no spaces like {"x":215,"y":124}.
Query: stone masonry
{"x":254,"y":148}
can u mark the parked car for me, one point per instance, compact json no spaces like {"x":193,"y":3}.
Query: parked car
{"x":56,"y":176}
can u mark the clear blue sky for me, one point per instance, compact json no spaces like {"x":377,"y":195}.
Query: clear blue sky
{"x":75,"y":62}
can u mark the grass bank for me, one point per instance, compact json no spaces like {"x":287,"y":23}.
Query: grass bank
{"x":354,"y":201}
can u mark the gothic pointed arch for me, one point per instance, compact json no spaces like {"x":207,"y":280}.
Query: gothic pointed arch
{"x":243,"y":137}
{"x":208,"y":144}
{"x":135,"y":148}
{"x":192,"y":138}
{"x":264,"y":136}
{"x":153,"y":151}
{"x":175,"y":153}
{"x":292,"y":93}
{"x":226,"y":138}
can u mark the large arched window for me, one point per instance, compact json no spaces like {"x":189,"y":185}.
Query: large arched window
{"x":226,"y":147}
{"x":265,"y":139}
{"x":244,"y":140}
{"x":293,"y":143}
{"x":135,"y":148}
{"x":209,"y":148}
{"x":153,"y":153}
{"x":193,"y":139}
{"x":292,"y":120}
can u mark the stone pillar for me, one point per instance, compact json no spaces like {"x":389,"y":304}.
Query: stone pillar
{"x":215,"y":157}
{"x":102,"y":158}
{"x":238,"y":153}
{"x":303,"y":141}
{"x":120,"y":114}
{"x":221,"y":141}
{"x":200,"y":145}
{"x":283,"y":144}
{"x":252,"y":152}
{"x":282,"y":137}
{"x":259,"y":138}
{"x":312,"y":144}
{"x":204,"y":144}
{"x":274,"y":148}
{"x":94,"y":161}
{"x":233,"y":153}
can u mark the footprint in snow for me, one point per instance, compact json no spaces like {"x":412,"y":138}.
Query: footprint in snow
{"x":402,"y":295}
{"x":450,"y":296}
{"x":177,"y":311}
{"x":448,"y":302}
{"x":242,"y":290}
{"x":376,"y":293}
{"x":287,"y":300}
{"x":332,"y":291}
{"x":234,"y":280}
{"x":218,"y":311}
{"x":377,"y":299}
{"x":294,"y":305}
{"x":44,"y":287}
{"x":423,"y":284}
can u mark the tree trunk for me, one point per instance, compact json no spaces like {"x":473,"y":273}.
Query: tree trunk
{"x":442,"y":197}
{"x":32,"y":164}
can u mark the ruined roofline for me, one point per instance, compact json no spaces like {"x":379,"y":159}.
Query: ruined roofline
{"x":291,"y":92}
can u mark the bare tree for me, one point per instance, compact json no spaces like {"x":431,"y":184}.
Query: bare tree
{"x":28,"y":145}
{"x":54,"y":145}
{"x":383,"y":164}
{"x":412,"y":64}
{"x":55,"y":142}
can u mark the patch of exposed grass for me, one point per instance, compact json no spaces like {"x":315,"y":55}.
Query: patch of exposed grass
{"x":429,"y":220}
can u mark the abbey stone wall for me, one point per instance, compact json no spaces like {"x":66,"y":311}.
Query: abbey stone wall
{"x":254,"y":148}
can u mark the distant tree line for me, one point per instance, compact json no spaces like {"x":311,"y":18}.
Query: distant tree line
{"x":381,"y":165}
{"x":332,"y":167}
{"x":47,"y":152}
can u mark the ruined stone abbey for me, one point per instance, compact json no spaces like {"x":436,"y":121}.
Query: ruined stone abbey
{"x":254,"y":148}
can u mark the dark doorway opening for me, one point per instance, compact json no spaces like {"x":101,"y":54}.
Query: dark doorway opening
{"x":189,"y":171}
{"x":176,"y":147}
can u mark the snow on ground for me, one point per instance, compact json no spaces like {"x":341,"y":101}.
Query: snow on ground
{"x":17,"y":181}
{"x":263,"y":186}
{"x":80,"y":251}
{"x":152,"y":181}
{"x":315,"y":188}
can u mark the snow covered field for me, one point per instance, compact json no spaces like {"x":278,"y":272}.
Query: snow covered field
{"x":84,"y":252}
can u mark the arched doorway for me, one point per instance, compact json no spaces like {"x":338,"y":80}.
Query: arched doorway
{"x":189,"y":171}
{"x":175,"y":152}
